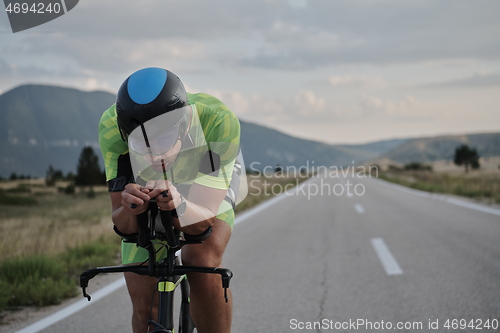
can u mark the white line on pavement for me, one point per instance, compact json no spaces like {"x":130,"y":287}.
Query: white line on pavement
{"x":390,"y":264}
{"x":75,"y":307}
{"x":359,"y":208}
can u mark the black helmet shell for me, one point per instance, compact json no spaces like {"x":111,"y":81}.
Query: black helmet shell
{"x":146,"y":94}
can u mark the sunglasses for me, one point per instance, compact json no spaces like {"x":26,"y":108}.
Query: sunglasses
{"x":158,"y":145}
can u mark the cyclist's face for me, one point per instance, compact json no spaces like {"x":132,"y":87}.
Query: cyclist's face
{"x":158,"y":145}
{"x":167,"y":159}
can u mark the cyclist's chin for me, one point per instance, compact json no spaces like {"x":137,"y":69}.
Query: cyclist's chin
{"x":158,"y":167}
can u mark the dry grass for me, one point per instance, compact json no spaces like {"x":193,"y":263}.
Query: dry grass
{"x":55,"y":223}
{"x":483,"y":185}
{"x":263,"y":187}
{"x":59,"y":221}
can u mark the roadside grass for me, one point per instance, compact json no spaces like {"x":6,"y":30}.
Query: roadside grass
{"x":57,"y":222}
{"x":480,"y":186}
{"x":47,"y":237}
{"x":8,"y":199}
{"x":42,"y":279}
{"x":263,"y":187}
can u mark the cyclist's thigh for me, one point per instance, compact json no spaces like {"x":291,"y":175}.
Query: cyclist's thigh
{"x":210,"y":252}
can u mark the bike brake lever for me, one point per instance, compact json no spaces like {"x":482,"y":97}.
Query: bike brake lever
{"x":84,"y":282}
{"x":88,"y":296}
{"x":226,"y":278}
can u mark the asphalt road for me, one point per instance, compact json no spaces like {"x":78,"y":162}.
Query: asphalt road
{"x":382,"y":258}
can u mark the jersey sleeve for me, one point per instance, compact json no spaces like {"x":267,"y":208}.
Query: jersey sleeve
{"x":222,"y":133}
{"x":114,"y":152}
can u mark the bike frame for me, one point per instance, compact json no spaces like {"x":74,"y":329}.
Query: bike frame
{"x":169,"y":272}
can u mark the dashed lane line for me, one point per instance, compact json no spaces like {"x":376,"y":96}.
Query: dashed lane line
{"x":390,"y":264}
{"x":359,"y":208}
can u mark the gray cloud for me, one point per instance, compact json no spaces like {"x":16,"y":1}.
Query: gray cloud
{"x":379,"y":32}
{"x":474,"y":81}
{"x":109,"y":36}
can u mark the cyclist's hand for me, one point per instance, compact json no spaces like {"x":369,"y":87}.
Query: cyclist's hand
{"x":167,"y":197}
{"x":136,"y":195}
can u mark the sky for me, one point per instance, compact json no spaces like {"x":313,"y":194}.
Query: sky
{"x":332,"y":71}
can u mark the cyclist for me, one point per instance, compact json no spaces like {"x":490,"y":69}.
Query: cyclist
{"x":160,"y":142}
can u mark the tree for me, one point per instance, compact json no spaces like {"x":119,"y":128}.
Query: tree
{"x":468,"y":157}
{"x":52,"y":175}
{"x":50,"y":180}
{"x":87,"y":170}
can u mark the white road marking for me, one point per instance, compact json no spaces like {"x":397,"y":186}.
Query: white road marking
{"x":390,"y":264}
{"x":359,"y":208}
{"x":73,"y":308}
{"x":441,"y":197}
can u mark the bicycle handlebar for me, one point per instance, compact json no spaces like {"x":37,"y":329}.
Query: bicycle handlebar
{"x":146,"y":223}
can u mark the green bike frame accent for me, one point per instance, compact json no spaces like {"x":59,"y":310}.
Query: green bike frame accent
{"x":166,"y":286}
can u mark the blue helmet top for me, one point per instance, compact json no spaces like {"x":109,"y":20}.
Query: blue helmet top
{"x":146,"y":94}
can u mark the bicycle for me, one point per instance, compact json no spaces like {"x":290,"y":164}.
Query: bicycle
{"x":170,"y":273}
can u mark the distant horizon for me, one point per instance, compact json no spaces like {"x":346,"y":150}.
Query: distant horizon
{"x":284,"y":131}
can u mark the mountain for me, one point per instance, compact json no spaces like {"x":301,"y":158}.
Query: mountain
{"x":42,"y":125}
{"x":46,"y":125}
{"x":268,"y":147}
{"x":438,"y":148}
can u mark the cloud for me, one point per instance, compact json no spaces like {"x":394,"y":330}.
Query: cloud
{"x":406,"y":108}
{"x":235,"y":100}
{"x":298,"y":3}
{"x":351,"y":81}
{"x":479,"y":80}
{"x":284,"y":35}
{"x":381,"y":32}
{"x":305,"y":105}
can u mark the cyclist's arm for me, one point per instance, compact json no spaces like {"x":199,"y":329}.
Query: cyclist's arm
{"x":201,"y":208}
{"x":202,"y":205}
{"x":123,"y":216}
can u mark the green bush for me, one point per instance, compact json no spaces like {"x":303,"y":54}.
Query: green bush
{"x":434,"y":188}
{"x":6,"y":199}
{"x":417,"y":166}
{"x":394,"y":168}
{"x":4,"y":294}
{"x":21,"y":188}
{"x":36,"y":280}
{"x":41,"y":280}
{"x":70,"y":189}
{"x":99,"y":253}
{"x":91,"y":193}
{"x":464,"y":191}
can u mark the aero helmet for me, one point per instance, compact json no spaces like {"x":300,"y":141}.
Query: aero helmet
{"x":147,"y":94}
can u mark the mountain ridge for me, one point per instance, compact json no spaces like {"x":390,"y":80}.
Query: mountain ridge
{"x":42,"y":125}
